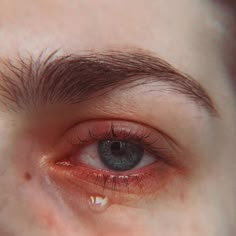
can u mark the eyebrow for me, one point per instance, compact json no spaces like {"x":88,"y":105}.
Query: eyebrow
{"x":26,"y":83}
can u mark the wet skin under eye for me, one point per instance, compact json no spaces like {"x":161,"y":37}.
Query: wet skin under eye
{"x":121,"y":146}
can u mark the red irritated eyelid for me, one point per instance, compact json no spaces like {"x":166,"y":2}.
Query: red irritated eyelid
{"x":119,"y":187}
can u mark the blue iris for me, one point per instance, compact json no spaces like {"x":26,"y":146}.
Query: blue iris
{"x":119,"y":155}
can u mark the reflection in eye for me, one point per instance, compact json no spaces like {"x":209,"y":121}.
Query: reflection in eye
{"x":117,"y":160}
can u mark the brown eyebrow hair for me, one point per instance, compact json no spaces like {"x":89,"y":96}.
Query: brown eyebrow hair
{"x":26,"y":83}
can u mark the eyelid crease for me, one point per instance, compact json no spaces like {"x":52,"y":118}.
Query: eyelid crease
{"x":49,"y":79}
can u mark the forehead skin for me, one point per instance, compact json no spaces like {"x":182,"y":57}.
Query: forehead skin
{"x":190,"y":35}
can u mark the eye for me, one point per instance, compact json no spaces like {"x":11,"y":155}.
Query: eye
{"x":115,"y":155}
{"x":122,"y":160}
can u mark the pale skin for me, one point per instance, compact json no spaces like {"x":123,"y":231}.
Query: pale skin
{"x":196,"y":37}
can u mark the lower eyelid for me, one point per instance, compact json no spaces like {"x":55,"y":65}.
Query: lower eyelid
{"x":129,"y":181}
{"x":79,"y":183}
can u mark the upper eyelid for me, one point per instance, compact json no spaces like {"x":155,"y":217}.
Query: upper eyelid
{"x":71,"y":79}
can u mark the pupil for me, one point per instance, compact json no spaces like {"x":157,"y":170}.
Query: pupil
{"x":117,"y":148}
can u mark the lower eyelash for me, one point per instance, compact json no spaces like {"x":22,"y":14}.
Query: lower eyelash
{"x":117,"y":182}
{"x":128,"y":182}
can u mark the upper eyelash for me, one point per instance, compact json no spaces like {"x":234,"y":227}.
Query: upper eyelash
{"x":135,"y":137}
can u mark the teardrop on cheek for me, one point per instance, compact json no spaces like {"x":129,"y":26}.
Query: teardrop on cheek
{"x":98,"y":204}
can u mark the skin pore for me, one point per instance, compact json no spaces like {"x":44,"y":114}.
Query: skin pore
{"x":45,"y":186}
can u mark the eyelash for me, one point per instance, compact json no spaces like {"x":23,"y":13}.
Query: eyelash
{"x":133,"y":137}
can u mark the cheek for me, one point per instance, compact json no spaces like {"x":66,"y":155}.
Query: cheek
{"x":57,"y":207}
